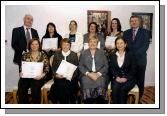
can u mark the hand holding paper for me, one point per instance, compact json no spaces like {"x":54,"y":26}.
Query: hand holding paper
{"x":66,"y":69}
{"x":31,"y":69}
{"x":110,"y":41}
{"x":49,"y":43}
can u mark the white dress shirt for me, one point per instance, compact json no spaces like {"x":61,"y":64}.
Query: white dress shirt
{"x":120,"y":59}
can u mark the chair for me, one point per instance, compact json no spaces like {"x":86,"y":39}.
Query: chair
{"x":15,"y":99}
{"x":44,"y":89}
{"x":48,"y":85}
{"x":134,"y":91}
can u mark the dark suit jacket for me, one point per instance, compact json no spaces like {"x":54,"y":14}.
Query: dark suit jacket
{"x":19,"y":42}
{"x":140,"y":45}
{"x":128,"y":68}
{"x":72,"y":58}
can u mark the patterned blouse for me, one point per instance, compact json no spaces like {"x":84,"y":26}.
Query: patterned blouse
{"x":42,"y":57}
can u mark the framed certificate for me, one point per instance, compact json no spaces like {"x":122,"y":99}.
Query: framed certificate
{"x":110,"y":40}
{"x":49,"y":43}
{"x":66,"y":69}
{"x":32,"y":69}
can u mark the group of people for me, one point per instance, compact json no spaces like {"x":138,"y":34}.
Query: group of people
{"x":124,"y":65}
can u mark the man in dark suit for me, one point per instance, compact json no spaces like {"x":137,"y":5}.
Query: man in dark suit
{"x":138,"y":43}
{"x":20,"y":38}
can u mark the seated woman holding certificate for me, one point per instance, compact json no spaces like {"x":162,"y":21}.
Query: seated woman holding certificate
{"x":35,"y":66}
{"x":75,"y":37}
{"x":122,"y":66}
{"x":93,"y":31}
{"x":93,"y":66}
{"x":51,"y":34}
{"x":65,"y":74}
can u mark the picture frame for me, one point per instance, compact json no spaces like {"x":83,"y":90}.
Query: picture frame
{"x":102,"y":18}
{"x":146,"y":21}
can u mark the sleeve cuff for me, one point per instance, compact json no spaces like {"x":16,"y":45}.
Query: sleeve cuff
{"x":99,"y":74}
{"x":86,"y":73}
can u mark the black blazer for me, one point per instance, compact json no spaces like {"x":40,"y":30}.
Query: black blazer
{"x":128,"y":68}
{"x":72,"y":58}
{"x":140,"y":45}
{"x":19,"y":42}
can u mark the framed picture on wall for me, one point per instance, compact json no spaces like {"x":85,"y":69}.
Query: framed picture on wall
{"x":146,"y":21}
{"x":102,"y":18}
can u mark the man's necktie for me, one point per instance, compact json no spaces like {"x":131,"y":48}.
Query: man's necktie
{"x":27,"y":36}
{"x":133,"y":34}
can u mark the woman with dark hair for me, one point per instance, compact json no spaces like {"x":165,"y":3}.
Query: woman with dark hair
{"x":34,"y":55}
{"x":64,"y":91}
{"x":122,"y":66}
{"x":51,"y":33}
{"x":75,"y":37}
{"x":93,"y":31}
{"x":116,"y":31}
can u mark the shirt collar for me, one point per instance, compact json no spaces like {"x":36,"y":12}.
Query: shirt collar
{"x":25,"y":28}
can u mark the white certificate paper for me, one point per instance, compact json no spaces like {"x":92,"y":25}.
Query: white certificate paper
{"x":32,"y":69}
{"x":110,"y":40}
{"x":49,"y":43}
{"x":86,"y":46}
{"x":75,"y":47}
{"x":66,"y":69}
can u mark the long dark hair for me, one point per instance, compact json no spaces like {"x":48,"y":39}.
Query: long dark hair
{"x":118,"y":24}
{"x":118,"y":38}
{"x":47,"y":32}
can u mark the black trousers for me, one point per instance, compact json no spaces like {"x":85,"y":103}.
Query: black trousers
{"x":140,"y":78}
{"x":120,"y":91}
{"x":35,"y":86}
{"x":64,"y":92}
{"x":98,"y":100}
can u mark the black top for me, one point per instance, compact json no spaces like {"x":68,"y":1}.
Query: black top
{"x":128,"y":68}
{"x":72,"y":37}
{"x":50,"y":53}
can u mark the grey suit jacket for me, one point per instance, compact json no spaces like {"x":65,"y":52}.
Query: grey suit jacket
{"x":101,"y":65}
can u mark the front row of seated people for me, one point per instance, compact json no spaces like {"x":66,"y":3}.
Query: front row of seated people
{"x":90,"y":78}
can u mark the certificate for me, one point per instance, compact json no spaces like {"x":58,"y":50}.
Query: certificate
{"x":31,"y":69}
{"x":86,"y":46}
{"x":75,"y":47}
{"x":49,"y":43}
{"x":66,"y":69}
{"x":110,"y":40}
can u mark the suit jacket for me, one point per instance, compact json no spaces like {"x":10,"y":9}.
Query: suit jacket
{"x":140,"y":45}
{"x":101,"y":65}
{"x":19,"y":43}
{"x":99,"y":36}
{"x":72,"y":58}
{"x":128,"y":68}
